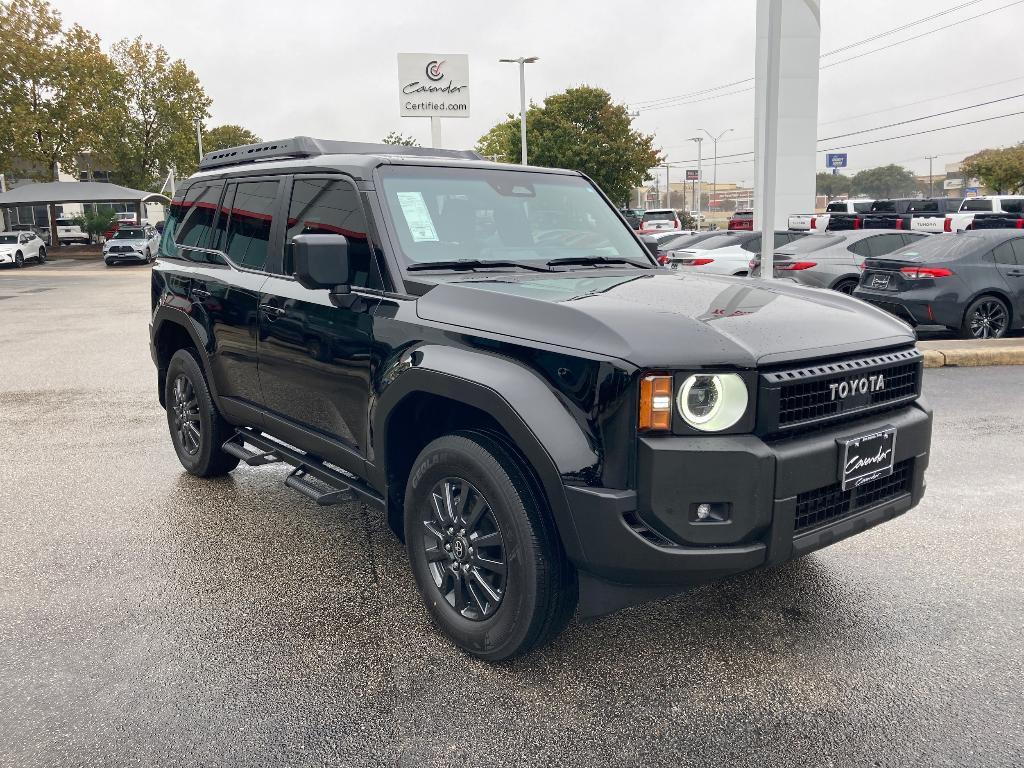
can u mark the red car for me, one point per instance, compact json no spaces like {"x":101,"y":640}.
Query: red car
{"x":742,"y":220}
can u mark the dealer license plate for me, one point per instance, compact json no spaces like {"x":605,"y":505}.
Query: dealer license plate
{"x":866,"y":457}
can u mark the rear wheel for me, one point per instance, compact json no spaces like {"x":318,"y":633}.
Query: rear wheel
{"x":986,"y":318}
{"x":845,"y":286}
{"x":41,"y":258}
{"x":197,"y":429}
{"x":485,"y":554}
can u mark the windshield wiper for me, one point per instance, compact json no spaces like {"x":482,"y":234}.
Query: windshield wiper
{"x":472,"y":264}
{"x":585,"y":260}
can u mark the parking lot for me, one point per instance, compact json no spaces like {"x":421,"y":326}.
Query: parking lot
{"x":148,"y":617}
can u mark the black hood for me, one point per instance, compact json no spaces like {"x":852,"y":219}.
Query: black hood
{"x":666,"y":319}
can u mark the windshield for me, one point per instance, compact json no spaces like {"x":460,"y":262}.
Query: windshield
{"x":8,"y":238}
{"x":659,"y":216}
{"x":129,"y":234}
{"x":445,"y":214}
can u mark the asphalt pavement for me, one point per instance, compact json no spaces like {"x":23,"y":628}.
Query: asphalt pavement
{"x":150,"y":618}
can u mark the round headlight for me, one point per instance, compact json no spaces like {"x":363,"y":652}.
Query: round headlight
{"x":712,"y":402}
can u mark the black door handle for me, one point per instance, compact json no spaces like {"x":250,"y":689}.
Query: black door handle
{"x":272,"y":310}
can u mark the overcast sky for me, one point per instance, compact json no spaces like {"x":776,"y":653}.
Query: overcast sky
{"x":328,"y":69}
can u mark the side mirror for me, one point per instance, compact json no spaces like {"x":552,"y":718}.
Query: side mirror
{"x":321,"y":261}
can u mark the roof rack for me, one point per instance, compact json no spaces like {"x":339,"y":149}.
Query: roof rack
{"x":305,"y":146}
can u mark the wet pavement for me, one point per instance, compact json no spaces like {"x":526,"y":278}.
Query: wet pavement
{"x":151,"y":618}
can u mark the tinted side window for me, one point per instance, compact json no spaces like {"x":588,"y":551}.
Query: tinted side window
{"x":884,"y":244}
{"x":1018,"y":250}
{"x":861,"y":247}
{"x":861,"y":207}
{"x":199,"y":214}
{"x":220,"y":231}
{"x":1013,"y":206}
{"x":332,"y":207}
{"x":1003,"y":254}
{"x":248,"y":230}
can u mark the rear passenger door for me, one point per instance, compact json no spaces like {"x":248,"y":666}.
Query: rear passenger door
{"x":1009,"y":259}
{"x":314,"y":353}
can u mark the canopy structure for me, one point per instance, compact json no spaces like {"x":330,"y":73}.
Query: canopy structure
{"x":53,"y":193}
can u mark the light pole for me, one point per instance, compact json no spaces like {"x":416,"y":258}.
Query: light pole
{"x":714,"y":173}
{"x":199,"y":138}
{"x":668,"y":188}
{"x":700,"y":181}
{"x":522,"y":61}
{"x":929,"y":159}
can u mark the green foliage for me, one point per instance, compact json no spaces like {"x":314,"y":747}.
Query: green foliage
{"x":397,"y":138}
{"x":95,"y":223}
{"x":151,"y":125}
{"x":583,"y":130}
{"x":224,"y":136}
{"x":831,"y":184}
{"x":883,"y":182}
{"x":728,"y":205}
{"x":54,"y":84}
{"x":686,"y":221}
{"x":1001,"y":170}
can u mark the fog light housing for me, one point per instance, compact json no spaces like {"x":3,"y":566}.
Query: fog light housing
{"x":710,"y":512}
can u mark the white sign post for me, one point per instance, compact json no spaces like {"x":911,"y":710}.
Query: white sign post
{"x":433,"y":85}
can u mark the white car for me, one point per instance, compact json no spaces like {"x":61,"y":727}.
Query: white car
{"x":658,"y":220}
{"x":962,"y":219}
{"x":134,"y":244}
{"x":728,"y":253}
{"x":16,"y":247}
{"x":69,"y":232}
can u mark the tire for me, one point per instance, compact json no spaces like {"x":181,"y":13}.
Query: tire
{"x":19,"y":260}
{"x":41,"y":258}
{"x":845,"y":286}
{"x":987,"y":317}
{"x":199,"y":455}
{"x":532,"y":586}
{"x":149,"y":257}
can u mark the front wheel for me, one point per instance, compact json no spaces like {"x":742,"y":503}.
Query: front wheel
{"x":197,"y":429}
{"x":19,"y":260}
{"x":485,"y":554}
{"x":149,"y":257}
{"x":41,"y":257}
{"x":986,"y":318}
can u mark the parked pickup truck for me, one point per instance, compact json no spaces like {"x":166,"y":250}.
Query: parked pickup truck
{"x":802,"y":222}
{"x":985,"y":208}
{"x":548,"y":419}
{"x":69,"y":232}
{"x":858,"y":219}
{"x":927,"y":215}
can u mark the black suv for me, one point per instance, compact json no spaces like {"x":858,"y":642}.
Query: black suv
{"x":546,"y":417}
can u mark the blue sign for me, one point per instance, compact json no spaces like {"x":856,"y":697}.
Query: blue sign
{"x":835,"y":160}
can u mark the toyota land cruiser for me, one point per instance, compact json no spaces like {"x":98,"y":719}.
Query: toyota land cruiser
{"x":549,"y":420}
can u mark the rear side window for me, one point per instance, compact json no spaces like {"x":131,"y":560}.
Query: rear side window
{"x":199,"y":209}
{"x":1004,"y":253}
{"x":861,"y":247}
{"x":921,"y":206}
{"x":332,"y":207}
{"x":862,"y":207}
{"x":1013,"y":206}
{"x":976,"y":205}
{"x":1018,"y":250}
{"x":835,"y":208}
{"x":248,"y":230}
{"x":885,"y":244}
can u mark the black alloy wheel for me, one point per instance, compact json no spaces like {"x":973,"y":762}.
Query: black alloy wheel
{"x":19,"y":260}
{"x":465,"y":549}
{"x":41,"y":258}
{"x":186,"y":415}
{"x":986,"y":318}
{"x":846,"y":286}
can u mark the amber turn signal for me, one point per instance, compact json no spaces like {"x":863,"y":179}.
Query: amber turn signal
{"x":655,"y":403}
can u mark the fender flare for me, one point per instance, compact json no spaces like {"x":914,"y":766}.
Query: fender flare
{"x":164,"y":316}
{"x":542,"y":428}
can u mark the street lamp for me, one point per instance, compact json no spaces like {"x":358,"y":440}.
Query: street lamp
{"x":714,"y":173}
{"x":700,"y":181}
{"x":199,"y":138}
{"x":522,"y":61}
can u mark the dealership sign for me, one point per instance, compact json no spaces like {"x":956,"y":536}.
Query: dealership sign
{"x":835,"y":160}
{"x":433,"y":85}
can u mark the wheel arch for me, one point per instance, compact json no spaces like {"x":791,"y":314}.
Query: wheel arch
{"x":170,"y":334}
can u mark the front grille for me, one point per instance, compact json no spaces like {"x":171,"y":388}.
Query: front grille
{"x":833,"y":391}
{"x":831,"y":503}
{"x":121,"y":249}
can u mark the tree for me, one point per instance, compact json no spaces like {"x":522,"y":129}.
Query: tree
{"x":884,"y":181}
{"x":224,"y":136}
{"x":151,"y":126}
{"x":583,"y":130}
{"x":831,"y":184}
{"x":728,"y":205}
{"x":95,"y":223}
{"x":1001,"y":170}
{"x":54,"y":86}
{"x":397,"y":138}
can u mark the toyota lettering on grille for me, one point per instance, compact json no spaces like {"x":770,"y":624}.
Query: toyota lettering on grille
{"x":862,"y":385}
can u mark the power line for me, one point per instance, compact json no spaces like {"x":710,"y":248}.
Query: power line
{"x":921,"y":133}
{"x":925,"y":117}
{"x":665,"y":102}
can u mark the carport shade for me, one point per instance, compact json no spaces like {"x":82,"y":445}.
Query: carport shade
{"x":52,"y":192}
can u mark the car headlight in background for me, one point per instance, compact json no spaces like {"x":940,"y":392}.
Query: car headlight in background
{"x":712,"y":402}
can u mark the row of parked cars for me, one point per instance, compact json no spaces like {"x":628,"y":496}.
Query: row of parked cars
{"x":971,"y":282}
{"x":929,"y":215}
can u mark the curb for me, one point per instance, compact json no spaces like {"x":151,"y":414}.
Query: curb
{"x":969,"y":354}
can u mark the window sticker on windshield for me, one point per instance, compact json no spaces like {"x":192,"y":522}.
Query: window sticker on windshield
{"x":417,"y":217}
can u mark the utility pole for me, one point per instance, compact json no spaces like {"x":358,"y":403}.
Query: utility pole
{"x":930,"y":188}
{"x":522,"y":61}
{"x":700,"y":181}
{"x":668,"y":188}
{"x":714,"y":181}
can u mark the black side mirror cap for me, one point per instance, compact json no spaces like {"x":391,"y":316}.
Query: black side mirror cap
{"x":321,"y":261}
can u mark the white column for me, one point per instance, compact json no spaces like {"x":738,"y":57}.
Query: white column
{"x":435,"y":132}
{"x":785,"y":114}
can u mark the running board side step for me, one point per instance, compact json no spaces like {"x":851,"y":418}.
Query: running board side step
{"x":341,"y":486}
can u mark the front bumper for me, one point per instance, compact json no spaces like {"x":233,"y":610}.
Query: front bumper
{"x":118,"y":256}
{"x":651,"y":537}
{"x":6,"y":258}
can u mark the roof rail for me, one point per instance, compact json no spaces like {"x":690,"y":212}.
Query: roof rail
{"x":305,"y":146}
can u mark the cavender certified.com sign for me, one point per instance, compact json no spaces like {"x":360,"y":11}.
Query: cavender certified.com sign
{"x":433,"y":85}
